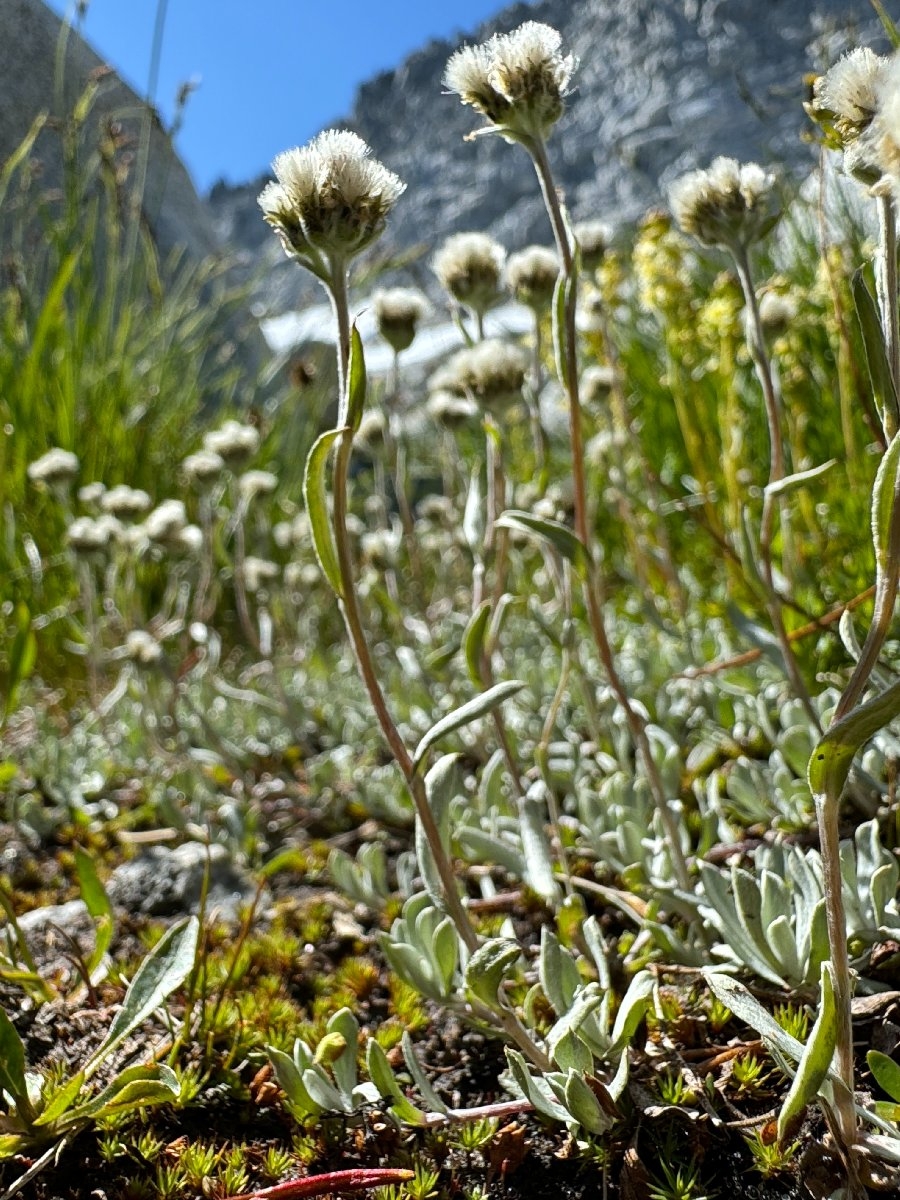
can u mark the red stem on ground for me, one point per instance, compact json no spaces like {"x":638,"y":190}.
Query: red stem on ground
{"x":332,"y":1181}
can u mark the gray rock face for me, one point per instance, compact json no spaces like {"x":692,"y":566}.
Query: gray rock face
{"x":29,"y":37}
{"x":662,"y":87}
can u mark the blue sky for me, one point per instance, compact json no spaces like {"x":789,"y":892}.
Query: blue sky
{"x":272,"y":72}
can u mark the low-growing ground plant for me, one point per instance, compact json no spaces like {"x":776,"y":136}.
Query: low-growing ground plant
{"x":534,"y":718}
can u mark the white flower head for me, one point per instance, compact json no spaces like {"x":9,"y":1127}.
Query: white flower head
{"x":372,"y":431}
{"x":332,"y":198}
{"x":593,"y":238}
{"x":851,"y":103}
{"x":142,"y":648}
{"x":257,"y":572}
{"x":234,"y":443}
{"x":845,"y":98}
{"x":494,"y":372}
{"x":398,"y":312}
{"x":517,"y":80}
{"x":166,"y":522}
{"x":203,"y":467}
{"x":91,"y":494}
{"x":125,"y":501}
{"x":596,"y":383}
{"x":470,"y":267}
{"x":56,"y":466}
{"x":777,"y":310}
{"x":531,"y":276}
{"x":451,"y":410}
{"x":877,"y":150}
{"x":256,"y":483}
{"x":86,"y":535}
{"x":189,"y":541}
{"x":729,"y":205}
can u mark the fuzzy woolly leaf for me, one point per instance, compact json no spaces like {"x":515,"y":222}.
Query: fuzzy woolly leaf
{"x":12,"y":1060}
{"x":488,"y":967}
{"x":886,"y":1072}
{"x":420,"y":1079}
{"x":564,"y":540}
{"x":93,"y":893}
{"x":442,"y":784}
{"x":817,"y":1056}
{"x":465,"y":715}
{"x":791,"y":483}
{"x":316,"y":501}
{"x":163,"y":970}
{"x":356,"y":381}
{"x":884,"y":500}
{"x":473,"y":641}
{"x":876,"y":352}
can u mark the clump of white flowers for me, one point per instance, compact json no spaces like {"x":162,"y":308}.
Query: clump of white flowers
{"x":56,"y":466}
{"x":372,"y":431}
{"x":91,"y":494}
{"x":87,"y":535}
{"x":450,"y":409}
{"x":142,"y":648}
{"x":398,"y":312}
{"x":330,"y":201}
{"x":204,"y":467}
{"x":257,"y":572}
{"x":594,"y":239}
{"x":845,"y":102}
{"x":729,"y":205}
{"x":596,"y":383}
{"x":470,"y":267}
{"x":125,"y":501}
{"x":166,"y":522}
{"x":256,"y":483}
{"x":531,"y":276}
{"x":233,"y":442}
{"x":493,"y":372}
{"x":517,"y":80}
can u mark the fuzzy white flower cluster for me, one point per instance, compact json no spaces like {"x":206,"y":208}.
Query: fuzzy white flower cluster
{"x":857,"y":104}
{"x":142,"y":648}
{"x":470,"y":267}
{"x":331,"y":199}
{"x":730,"y":205}
{"x":233,"y":442}
{"x":398,"y":312}
{"x":491,"y":372}
{"x":531,"y":276}
{"x":517,"y":80}
{"x":203,"y":468}
{"x":89,"y":535}
{"x":56,"y":466}
{"x":253,"y":484}
{"x":125,"y":501}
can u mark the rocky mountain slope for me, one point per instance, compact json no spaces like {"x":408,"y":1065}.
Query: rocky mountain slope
{"x":662,"y":87}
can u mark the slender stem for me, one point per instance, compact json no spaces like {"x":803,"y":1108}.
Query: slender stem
{"x":827,"y":812}
{"x":886,"y":281}
{"x":774,"y":606}
{"x":634,"y":720}
{"x":349,"y":605}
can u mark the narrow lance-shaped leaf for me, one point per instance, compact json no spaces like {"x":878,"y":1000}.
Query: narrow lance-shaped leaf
{"x":816,"y":1060}
{"x":316,"y":500}
{"x":831,"y":760}
{"x":791,"y":483}
{"x":560,"y":537}
{"x":886,"y":1072}
{"x":876,"y":352}
{"x":884,"y":493}
{"x":93,"y":893}
{"x":356,"y":381}
{"x":12,"y":1060}
{"x":560,"y":295}
{"x":465,"y":715}
{"x":163,"y":970}
{"x":473,"y":641}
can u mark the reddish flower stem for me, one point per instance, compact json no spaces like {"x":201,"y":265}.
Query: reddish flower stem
{"x":332,"y":1181}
